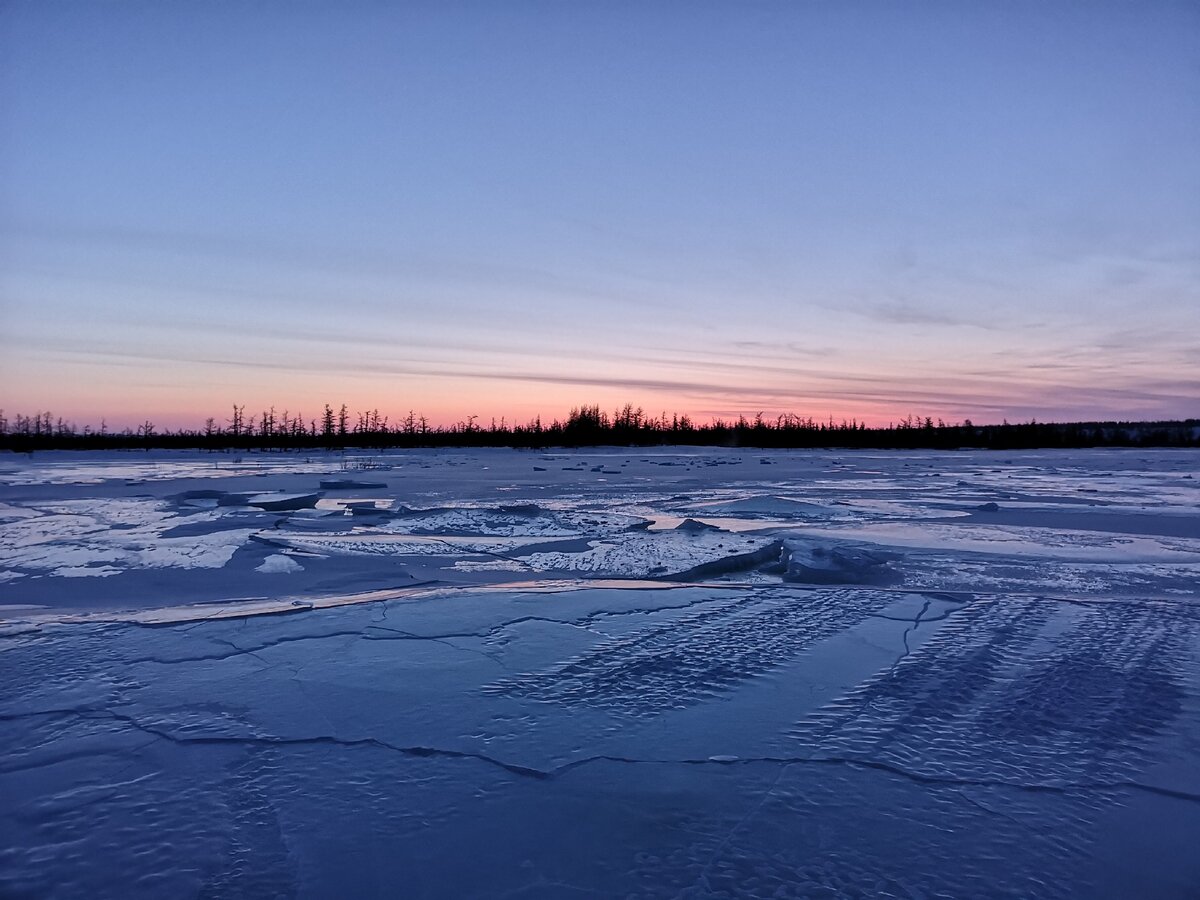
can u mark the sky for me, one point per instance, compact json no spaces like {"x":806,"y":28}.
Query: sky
{"x":501,"y":209}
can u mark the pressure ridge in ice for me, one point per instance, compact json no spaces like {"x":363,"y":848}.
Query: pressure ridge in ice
{"x":607,"y":674}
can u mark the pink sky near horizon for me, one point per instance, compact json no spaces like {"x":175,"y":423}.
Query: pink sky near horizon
{"x":184,"y":401}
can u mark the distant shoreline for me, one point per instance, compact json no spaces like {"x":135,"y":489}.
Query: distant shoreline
{"x":593,"y":429}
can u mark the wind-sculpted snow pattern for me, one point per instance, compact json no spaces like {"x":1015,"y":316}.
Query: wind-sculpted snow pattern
{"x":1023,"y":692}
{"x":676,"y":673}
{"x":697,"y":656}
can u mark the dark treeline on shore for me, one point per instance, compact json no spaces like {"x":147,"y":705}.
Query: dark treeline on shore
{"x":585,"y":426}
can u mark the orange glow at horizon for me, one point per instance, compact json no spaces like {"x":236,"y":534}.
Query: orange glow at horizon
{"x":182,"y":407}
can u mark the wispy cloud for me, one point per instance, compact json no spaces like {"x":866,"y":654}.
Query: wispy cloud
{"x":903,"y":313}
{"x":396,"y":265}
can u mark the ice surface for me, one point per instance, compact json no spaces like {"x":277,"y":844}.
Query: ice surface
{"x":672,"y":674}
{"x":278,"y":564}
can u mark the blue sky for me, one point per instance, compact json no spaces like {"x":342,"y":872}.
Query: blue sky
{"x":861,"y":209}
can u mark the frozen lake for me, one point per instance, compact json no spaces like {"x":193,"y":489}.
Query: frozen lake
{"x":609,"y":673}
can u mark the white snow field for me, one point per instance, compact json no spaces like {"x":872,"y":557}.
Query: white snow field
{"x":610,"y":673}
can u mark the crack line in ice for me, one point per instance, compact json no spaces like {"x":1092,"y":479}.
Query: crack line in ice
{"x":445,"y":640}
{"x":995,"y":812}
{"x":757,"y":808}
{"x":943,"y":616}
{"x":852,"y":762}
{"x":557,"y":771}
{"x":321,"y":739}
{"x":916,"y":623}
{"x":868,"y":700}
{"x":583,"y":623}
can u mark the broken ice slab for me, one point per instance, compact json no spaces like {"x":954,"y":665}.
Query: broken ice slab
{"x":272,"y":501}
{"x":279,"y":502}
{"x":677,"y":554}
{"x":809,"y":562}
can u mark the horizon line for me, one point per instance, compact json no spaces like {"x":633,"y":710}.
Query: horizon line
{"x":270,"y":423}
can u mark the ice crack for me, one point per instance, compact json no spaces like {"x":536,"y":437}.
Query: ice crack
{"x":419,"y":751}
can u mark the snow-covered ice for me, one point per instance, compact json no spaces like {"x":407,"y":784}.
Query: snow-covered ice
{"x":609,"y":673}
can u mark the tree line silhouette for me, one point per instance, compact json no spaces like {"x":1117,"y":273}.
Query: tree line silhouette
{"x":586,"y":425}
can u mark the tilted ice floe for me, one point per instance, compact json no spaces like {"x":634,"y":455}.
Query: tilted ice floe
{"x":677,"y":553}
{"x":809,"y":562}
{"x":271,"y":501}
{"x":351,"y":484}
